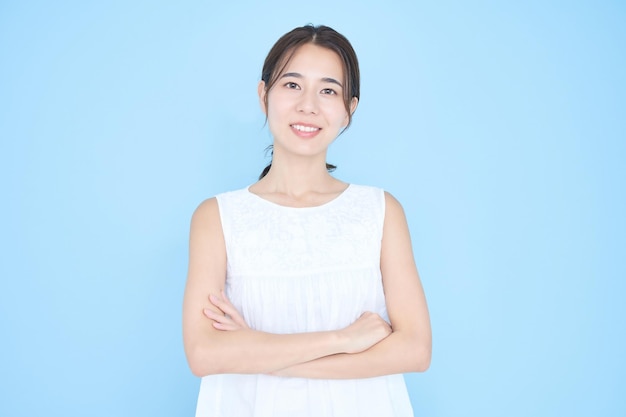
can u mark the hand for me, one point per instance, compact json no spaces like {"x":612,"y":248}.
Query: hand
{"x":365,"y":332}
{"x":227,"y":317}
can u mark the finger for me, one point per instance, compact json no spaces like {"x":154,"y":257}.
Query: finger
{"x":228,"y":304}
{"x":233,"y":312}
{"x":220,"y":303}
{"x":212,"y":314}
{"x":226,"y":326}
{"x":220,"y":321}
{"x":220,"y":318}
{"x":216,"y":302}
{"x":227,"y":308}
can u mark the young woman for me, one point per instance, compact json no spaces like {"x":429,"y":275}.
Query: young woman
{"x":302,"y":296}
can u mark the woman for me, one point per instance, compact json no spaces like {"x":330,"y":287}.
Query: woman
{"x":302,"y":297}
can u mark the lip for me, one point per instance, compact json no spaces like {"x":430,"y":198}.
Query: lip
{"x":309,"y":131}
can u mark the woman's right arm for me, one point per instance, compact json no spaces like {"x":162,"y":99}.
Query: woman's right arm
{"x":212,"y":351}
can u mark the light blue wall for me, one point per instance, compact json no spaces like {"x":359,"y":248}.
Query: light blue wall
{"x":499,"y":126}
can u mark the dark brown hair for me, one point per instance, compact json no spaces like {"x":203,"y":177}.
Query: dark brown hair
{"x":326,"y":37}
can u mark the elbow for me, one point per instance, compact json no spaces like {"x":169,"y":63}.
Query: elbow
{"x":421,"y":361}
{"x":197,"y":369}
{"x":420,"y":354}
{"x":196,"y":366}
{"x":199,"y":365}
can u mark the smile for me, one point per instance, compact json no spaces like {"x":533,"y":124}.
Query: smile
{"x":307,"y":129}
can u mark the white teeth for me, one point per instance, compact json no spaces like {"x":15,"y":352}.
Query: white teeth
{"x":305,"y":128}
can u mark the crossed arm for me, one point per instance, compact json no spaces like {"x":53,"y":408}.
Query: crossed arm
{"x":217,"y":339}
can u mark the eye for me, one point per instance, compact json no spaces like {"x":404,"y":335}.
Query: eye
{"x":292,"y":85}
{"x":329,"y":91}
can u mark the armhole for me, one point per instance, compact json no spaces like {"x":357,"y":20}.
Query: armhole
{"x":383,"y":207}
{"x":221,"y":209}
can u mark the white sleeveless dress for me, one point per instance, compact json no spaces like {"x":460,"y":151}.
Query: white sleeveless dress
{"x":293,"y":270}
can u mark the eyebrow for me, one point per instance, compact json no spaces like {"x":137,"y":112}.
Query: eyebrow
{"x":325,"y":79}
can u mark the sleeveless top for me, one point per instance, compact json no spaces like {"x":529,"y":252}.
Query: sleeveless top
{"x":293,"y":270}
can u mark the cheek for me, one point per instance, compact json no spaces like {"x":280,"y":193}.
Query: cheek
{"x":277,"y":114}
{"x":334,"y":109}
{"x":346,"y":120}
{"x":341,"y":115}
{"x":277,"y":103}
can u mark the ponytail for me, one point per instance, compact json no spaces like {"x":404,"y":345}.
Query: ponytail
{"x":265,"y":171}
{"x":329,"y":167}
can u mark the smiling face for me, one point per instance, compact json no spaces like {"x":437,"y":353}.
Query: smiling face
{"x":305,"y":108}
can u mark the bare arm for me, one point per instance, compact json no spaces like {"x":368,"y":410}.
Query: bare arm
{"x":408,"y":348}
{"x":210,"y":350}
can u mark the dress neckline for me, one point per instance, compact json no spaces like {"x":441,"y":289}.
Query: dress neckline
{"x":329,"y":202}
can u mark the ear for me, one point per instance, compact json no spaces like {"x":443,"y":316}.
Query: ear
{"x":262,"y":93}
{"x":353,"y":105}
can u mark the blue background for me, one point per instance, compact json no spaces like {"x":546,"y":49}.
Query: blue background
{"x":498,"y":125}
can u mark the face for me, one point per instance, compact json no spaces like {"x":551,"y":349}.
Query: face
{"x":305,"y":108}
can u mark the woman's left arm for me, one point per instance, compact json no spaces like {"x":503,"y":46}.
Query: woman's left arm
{"x":408,"y":347}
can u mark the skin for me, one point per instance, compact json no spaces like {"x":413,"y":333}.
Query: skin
{"x":217,"y":339}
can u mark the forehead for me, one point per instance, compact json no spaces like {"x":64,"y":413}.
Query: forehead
{"x":315,"y":61}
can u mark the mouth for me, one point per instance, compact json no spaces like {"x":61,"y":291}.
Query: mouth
{"x":305,"y":128}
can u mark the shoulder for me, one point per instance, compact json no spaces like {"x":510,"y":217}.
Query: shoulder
{"x":394,"y":213}
{"x":395,"y":224}
{"x":205,"y":207}
{"x":392,"y":203}
{"x":367,"y":191}
{"x":211,"y":206}
{"x":368,"y":199}
{"x":207,"y":213}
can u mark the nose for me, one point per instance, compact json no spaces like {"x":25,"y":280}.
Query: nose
{"x":308,"y":102}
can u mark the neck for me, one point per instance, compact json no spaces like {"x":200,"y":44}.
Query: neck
{"x":298,"y":175}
